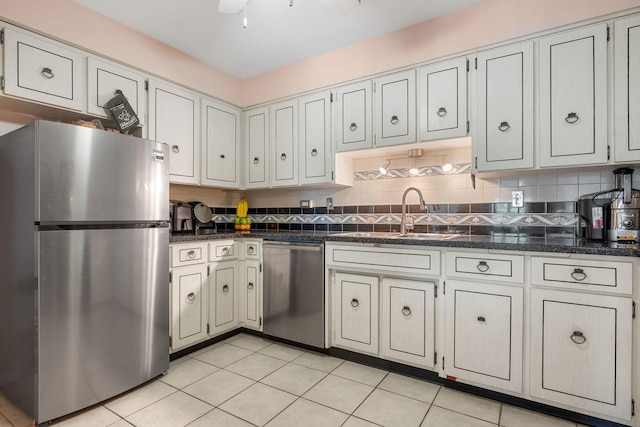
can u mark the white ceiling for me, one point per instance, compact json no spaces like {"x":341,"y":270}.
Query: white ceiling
{"x":277,"y":35}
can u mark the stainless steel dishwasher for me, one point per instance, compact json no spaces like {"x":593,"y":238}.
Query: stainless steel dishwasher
{"x":294,"y":291}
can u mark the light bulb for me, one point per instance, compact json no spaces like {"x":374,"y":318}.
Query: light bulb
{"x":414,"y":170}
{"x":385,"y":168}
{"x":447,"y":167}
{"x":244,"y":20}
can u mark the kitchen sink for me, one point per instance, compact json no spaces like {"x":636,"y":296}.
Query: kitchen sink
{"x":396,"y":235}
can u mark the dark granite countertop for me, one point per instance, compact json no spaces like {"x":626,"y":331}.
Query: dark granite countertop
{"x":508,"y":243}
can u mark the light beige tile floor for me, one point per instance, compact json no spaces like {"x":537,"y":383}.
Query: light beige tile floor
{"x":248,"y":381}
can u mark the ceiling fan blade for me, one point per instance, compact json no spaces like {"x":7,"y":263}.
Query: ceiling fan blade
{"x":342,"y":6}
{"x":231,"y":6}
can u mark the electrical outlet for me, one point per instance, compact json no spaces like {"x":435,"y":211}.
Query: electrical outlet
{"x":329,"y":203}
{"x":517,"y":199}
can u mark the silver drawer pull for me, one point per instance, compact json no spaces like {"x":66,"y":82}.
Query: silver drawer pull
{"x":355,"y":303}
{"x":482,"y":319}
{"x":283,"y":156}
{"x":250,"y":286}
{"x":175,"y":149}
{"x":406,"y":311}
{"x":578,"y":274}
{"x":314,"y":152}
{"x":222,"y":156}
{"x":483,"y":266}
{"x":191,"y":254}
{"x":394,"y":120}
{"x":578,"y":337}
{"x":225,"y":251}
{"x":191,"y":298}
{"x":353,"y":127}
{"x":504,"y":126}
{"x":225,"y":289}
{"x":256,"y":160}
{"x":442,"y":112}
{"x":250,"y":250}
{"x":47,"y":73}
{"x":571,"y":118}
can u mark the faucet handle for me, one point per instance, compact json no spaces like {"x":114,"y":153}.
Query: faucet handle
{"x":408,"y":223}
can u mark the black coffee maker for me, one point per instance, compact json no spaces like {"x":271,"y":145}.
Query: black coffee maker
{"x":595,"y":212}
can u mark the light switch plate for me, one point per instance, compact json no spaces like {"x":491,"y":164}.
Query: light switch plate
{"x":329,"y":203}
{"x":517,"y":198}
{"x":306,"y":203}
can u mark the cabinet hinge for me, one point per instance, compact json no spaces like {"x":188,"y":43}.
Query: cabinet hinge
{"x":633,"y":408}
{"x":608,"y":33}
{"x":374,"y":86}
{"x":331,"y":175}
{"x":170,"y":277}
{"x":443,"y":362}
{"x":444,"y":288}
{"x":435,"y":291}
{"x":435,"y":358}
{"x":476,"y":162}
{"x":208,"y":328}
{"x":476,"y":65}
{"x":260,"y":321}
{"x":170,"y":341}
{"x":1,"y":82}
{"x":331,"y":97}
{"x":633,"y":309}
{"x":260,"y":267}
{"x":1,"y":36}
{"x":208,"y":270}
{"x":146,"y":85}
{"x":608,"y":152}
{"x":468,"y":126}
{"x":467,"y":65}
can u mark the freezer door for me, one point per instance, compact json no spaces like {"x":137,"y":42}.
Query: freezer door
{"x":103,"y":315}
{"x":89,"y":175}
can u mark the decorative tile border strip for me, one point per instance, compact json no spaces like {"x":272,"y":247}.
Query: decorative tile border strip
{"x":404,"y":172}
{"x":487,"y":219}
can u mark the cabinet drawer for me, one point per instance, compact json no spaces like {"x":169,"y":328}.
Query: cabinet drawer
{"x":182,"y":255}
{"x":42,"y":71}
{"x":503,"y":268}
{"x":388,"y":259}
{"x":583,"y":274}
{"x":223,"y":250}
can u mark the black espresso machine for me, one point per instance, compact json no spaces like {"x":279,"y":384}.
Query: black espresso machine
{"x":614,"y":214}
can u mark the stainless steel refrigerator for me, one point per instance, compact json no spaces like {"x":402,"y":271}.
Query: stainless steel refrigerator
{"x":84,"y":261}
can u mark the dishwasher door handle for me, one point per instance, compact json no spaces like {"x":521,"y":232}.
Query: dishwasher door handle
{"x":310,"y":248}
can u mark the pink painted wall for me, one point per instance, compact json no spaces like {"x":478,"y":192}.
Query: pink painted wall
{"x":485,"y":23}
{"x":70,"y":22}
{"x":488,"y":22}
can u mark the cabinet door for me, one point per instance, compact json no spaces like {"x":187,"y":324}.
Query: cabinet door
{"x":188,"y":306}
{"x":581,"y":351}
{"x":573,"y":97}
{"x":483,"y":330}
{"x":395,"y":101}
{"x":174,"y":118}
{"x":220,"y":146}
{"x":257,"y":148}
{"x":284,"y":143}
{"x":356,"y":312}
{"x":315,"y":138}
{"x":251,"y":295}
{"x":223,"y":314}
{"x":354,"y":116}
{"x":627,"y":89}
{"x":42,"y":70}
{"x":442,"y":100}
{"x":105,"y":78}
{"x":408,"y":321}
{"x":503,"y":132}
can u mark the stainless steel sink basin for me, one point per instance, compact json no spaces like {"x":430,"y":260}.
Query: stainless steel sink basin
{"x":396,"y":235}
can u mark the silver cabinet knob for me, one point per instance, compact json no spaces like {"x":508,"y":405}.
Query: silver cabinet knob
{"x":504,"y":126}
{"x":250,"y":286}
{"x":578,"y":274}
{"x":314,"y":152}
{"x":394,"y":120}
{"x":353,"y":127}
{"x":578,"y":337}
{"x":406,"y":311}
{"x":225,"y":251}
{"x":355,"y":303}
{"x":482,"y":266}
{"x":442,"y":112}
{"x":47,"y":73}
{"x":191,"y":254}
{"x":175,"y":149}
{"x":256,"y":160}
{"x":283,"y":156}
{"x":572,"y":118}
{"x":191,"y":298}
{"x":225,"y":289}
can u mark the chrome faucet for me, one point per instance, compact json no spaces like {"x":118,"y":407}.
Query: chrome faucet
{"x":423,"y":206}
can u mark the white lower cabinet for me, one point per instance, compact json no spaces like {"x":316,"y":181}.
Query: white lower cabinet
{"x":188,"y":306}
{"x":483,"y":329}
{"x":250,"y":290}
{"x":408,"y":321}
{"x":223,"y":313}
{"x":355,"y":312}
{"x":581,"y":351}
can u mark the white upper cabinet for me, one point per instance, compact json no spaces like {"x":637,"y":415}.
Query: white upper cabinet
{"x":395,"y":109}
{"x":105,"y":78}
{"x":256,"y":159}
{"x":174,"y":118}
{"x":315,"y":138}
{"x":42,"y":70}
{"x":627,"y":89}
{"x":284,"y":143}
{"x":221,"y":149}
{"x":503,"y":128}
{"x":573,"y":97}
{"x":442,"y":100}
{"x":354,"y":116}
